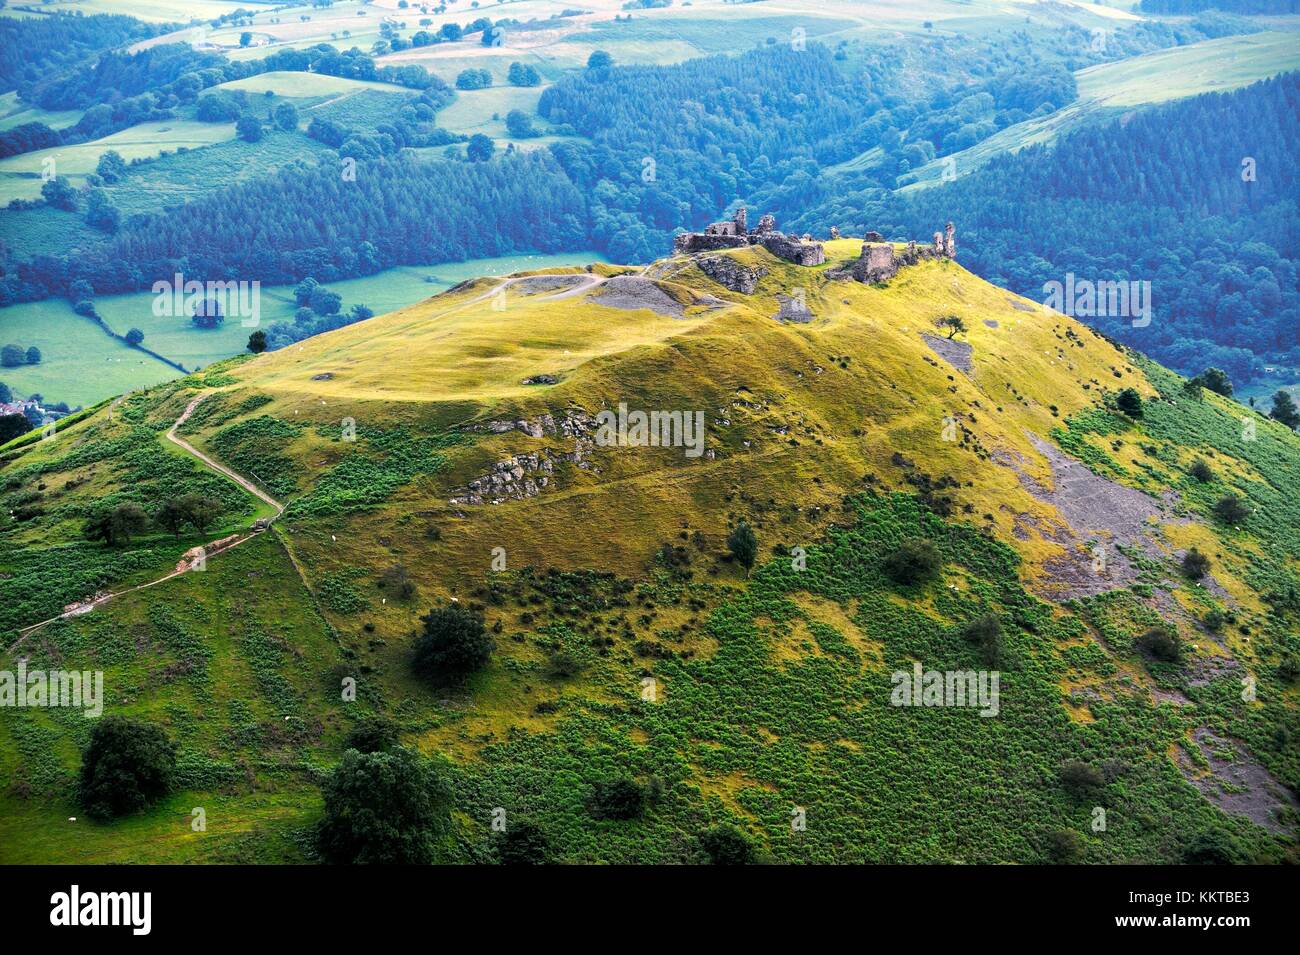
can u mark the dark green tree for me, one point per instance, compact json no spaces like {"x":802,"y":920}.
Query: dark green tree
{"x":915,"y":562}
{"x":249,"y":128}
{"x":620,"y":799}
{"x":59,"y":193}
{"x":953,"y":323}
{"x":453,"y":643}
{"x":111,"y":167}
{"x":985,"y":632}
{"x":200,"y":511}
{"x":286,"y":117}
{"x":13,"y":426}
{"x":127,"y":766}
{"x":743,"y":545}
{"x":523,"y":843}
{"x":171,"y":517}
{"x":1160,"y":643}
{"x":1129,"y":402}
{"x":385,"y":808}
{"x":1217,"y":380}
{"x":480,"y":148}
{"x":1284,"y":410}
{"x":1195,"y":564}
{"x":257,"y":342}
{"x":1079,"y":779}
{"x":372,"y":734}
{"x":1231,"y":509}
{"x":727,"y":845}
{"x":1064,"y":846}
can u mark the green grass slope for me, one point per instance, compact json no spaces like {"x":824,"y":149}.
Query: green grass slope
{"x":735,"y":698}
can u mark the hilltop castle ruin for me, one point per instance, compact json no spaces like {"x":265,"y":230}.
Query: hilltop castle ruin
{"x":878,"y":262}
{"x":735,"y":233}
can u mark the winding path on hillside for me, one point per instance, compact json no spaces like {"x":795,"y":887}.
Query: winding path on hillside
{"x":187,"y":562}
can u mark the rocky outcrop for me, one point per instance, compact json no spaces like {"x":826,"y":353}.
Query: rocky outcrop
{"x":523,"y":476}
{"x":729,"y":273}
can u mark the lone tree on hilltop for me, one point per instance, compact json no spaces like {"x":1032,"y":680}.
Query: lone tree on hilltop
{"x":127,"y":766}
{"x":743,"y":545}
{"x":452,"y":644}
{"x":257,"y":342}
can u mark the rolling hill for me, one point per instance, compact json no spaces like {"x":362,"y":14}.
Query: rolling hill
{"x":450,"y":451}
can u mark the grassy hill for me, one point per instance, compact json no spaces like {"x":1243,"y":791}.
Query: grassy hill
{"x":628,"y":643}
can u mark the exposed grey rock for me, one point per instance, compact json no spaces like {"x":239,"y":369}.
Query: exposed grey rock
{"x":727,"y":272}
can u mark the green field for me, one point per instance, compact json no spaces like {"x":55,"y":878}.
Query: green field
{"x":13,"y":113}
{"x":300,"y":86}
{"x":484,"y":111}
{"x":20,"y":176}
{"x":82,"y":365}
{"x":1108,"y":90}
